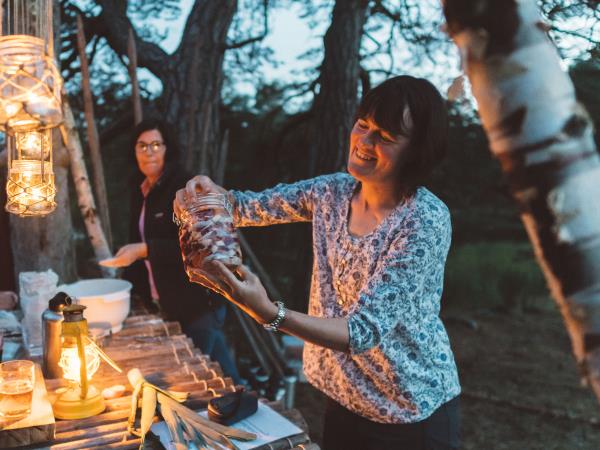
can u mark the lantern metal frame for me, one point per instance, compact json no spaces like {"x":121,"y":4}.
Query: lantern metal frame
{"x":30,"y":187}
{"x":30,"y":103}
{"x":30,"y":85}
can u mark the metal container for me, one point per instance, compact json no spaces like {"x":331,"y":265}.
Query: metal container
{"x":290,"y":379}
{"x":52,"y":319}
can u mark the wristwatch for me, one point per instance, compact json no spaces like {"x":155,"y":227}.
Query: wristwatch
{"x":278,"y":320}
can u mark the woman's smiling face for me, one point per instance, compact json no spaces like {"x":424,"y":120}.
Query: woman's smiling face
{"x":376,"y":155}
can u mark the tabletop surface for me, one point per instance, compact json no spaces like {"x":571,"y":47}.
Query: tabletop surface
{"x":166,"y":358}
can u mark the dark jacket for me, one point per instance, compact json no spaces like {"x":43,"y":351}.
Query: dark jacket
{"x":180,"y":299}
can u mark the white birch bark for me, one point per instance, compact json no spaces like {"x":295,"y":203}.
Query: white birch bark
{"x":85,"y":198}
{"x":92,"y":133}
{"x":544,"y":142}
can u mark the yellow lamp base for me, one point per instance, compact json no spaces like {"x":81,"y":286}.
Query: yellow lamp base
{"x":70,"y":405}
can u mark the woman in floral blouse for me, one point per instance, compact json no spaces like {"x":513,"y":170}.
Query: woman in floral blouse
{"x":375,"y":344}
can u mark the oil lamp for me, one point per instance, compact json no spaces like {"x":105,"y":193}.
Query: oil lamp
{"x":80,"y":359}
{"x":30,"y":187}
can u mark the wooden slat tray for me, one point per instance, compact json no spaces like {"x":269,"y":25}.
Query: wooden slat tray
{"x":166,"y":358}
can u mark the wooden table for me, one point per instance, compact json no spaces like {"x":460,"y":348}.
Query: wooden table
{"x":166,"y":358}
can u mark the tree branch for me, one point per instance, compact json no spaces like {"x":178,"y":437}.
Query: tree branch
{"x":260,"y":37}
{"x":112,"y":23}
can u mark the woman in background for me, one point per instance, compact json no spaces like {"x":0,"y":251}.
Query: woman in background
{"x":153,"y":258}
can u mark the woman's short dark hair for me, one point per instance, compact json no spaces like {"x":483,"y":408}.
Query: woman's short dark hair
{"x":172,"y":152}
{"x":426,"y":126}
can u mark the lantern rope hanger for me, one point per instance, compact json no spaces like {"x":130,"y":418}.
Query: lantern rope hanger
{"x":30,"y":104}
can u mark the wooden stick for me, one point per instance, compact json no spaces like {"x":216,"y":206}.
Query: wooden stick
{"x":258,"y":351}
{"x":132,"y":68}
{"x":221,"y":160}
{"x":85,"y":198}
{"x":272,"y":290}
{"x":92,"y":133}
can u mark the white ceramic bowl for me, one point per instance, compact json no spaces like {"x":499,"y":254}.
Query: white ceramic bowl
{"x":107,"y":301}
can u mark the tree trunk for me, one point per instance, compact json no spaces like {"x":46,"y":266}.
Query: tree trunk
{"x":336,"y":102}
{"x":544,"y":142}
{"x":7,"y":279}
{"x":192,"y":76}
{"x":92,"y":132}
{"x":333,"y":109}
{"x":192,"y":89}
{"x":132,"y":69}
{"x":85,"y":199}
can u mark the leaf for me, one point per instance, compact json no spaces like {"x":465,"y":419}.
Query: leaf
{"x":148,"y":409}
{"x":190,"y":415}
{"x":133,"y":409}
{"x":179,"y":396}
{"x":193,"y":435}
{"x":215,"y":436}
{"x":173,"y":425}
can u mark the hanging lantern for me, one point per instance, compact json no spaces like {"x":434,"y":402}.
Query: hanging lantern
{"x":30,"y":187}
{"x":30,"y":104}
{"x":30,"y":83}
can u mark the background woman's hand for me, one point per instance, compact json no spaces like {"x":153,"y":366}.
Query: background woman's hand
{"x":200,"y":184}
{"x":8,"y":300}
{"x":247,"y":292}
{"x":127,"y":255}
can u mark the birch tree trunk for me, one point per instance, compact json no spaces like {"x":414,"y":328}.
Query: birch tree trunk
{"x":544,"y":142}
{"x":85,"y":199}
{"x":92,"y":132}
{"x":336,"y":102}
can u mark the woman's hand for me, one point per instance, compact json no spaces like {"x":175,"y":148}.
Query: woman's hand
{"x":8,"y":300}
{"x":127,"y":255}
{"x":247,"y":292}
{"x":200,"y":184}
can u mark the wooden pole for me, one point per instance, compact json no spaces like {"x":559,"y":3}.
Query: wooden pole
{"x":85,"y":198}
{"x":132,"y":68}
{"x":92,"y":133}
{"x":221,"y":160}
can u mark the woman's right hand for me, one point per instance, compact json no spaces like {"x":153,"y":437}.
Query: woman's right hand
{"x":200,"y":184}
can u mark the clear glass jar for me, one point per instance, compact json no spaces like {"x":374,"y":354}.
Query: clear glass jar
{"x":206,"y":234}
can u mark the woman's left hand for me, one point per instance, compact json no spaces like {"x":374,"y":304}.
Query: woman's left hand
{"x":247,"y":292}
{"x":127,"y":255}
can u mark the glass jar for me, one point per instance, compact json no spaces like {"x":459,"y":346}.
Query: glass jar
{"x":206,"y":234}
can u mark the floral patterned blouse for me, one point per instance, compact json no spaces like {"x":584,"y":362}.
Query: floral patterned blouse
{"x":387,"y":284}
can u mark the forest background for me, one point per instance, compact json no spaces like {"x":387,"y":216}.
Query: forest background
{"x":251,"y":115}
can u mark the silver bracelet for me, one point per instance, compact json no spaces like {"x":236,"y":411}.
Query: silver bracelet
{"x":279,"y":318}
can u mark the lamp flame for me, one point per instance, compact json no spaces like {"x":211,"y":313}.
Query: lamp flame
{"x":70,"y":363}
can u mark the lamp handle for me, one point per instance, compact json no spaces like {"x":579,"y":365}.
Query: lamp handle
{"x":103,"y":355}
{"x":82,"y":367}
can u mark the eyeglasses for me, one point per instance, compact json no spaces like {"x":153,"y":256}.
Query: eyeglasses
{"x":152,"y":147}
